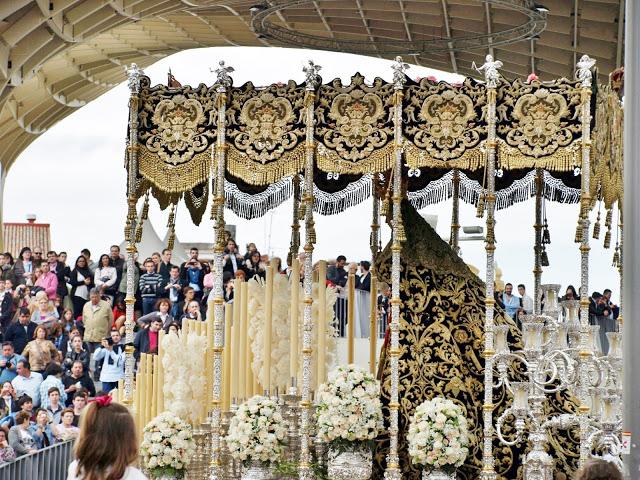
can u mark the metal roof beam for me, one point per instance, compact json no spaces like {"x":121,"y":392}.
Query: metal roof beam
{"x":445,"y":13}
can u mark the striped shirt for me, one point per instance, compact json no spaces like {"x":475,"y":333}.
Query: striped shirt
{"x":150,"y":284}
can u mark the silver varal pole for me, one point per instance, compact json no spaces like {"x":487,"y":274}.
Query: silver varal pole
{"x":305,"y":471}
{"x":583,"y":74}
{"x":492,"y":78}
{"x":223,"y":82}
{"x":393,"y":471}
{"x":631,"y":237}
{"x":134,"y":75}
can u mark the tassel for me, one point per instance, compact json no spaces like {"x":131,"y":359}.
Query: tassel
{"x":145,"y":209}
{"x":480,"y":208}
{"x":596,"y":227}
{"x":616,"y":256}
{"x":139,"y":233}
{"x":312,"y":234}
{"x":302,"y":210}
{"x":607,"y":238}
{"x":171,"y":240}
{"x":546,"y":237}
{"x":544,"y":258}
{"x":384,"y":208}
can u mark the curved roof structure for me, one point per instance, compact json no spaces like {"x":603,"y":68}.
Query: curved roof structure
{"x":57,"y":55}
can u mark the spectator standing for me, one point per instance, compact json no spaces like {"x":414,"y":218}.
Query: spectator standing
{"x":191,"y":273}
{"x":511,"y":302}
{"x":251,"y":247}
{"x":6,"y":306}
{"x":6,"y":268}
{"x":8,"y":363}
{"x":46,"y":280}
{"x":40,"y":351}
{"x":336,"y":273}
{"x":150,"y":287}
{"x":78,"y":353}
{"x":117,"y":262}
{"x":112,"y":355}
{"x":21,"y":332}
{"x":25,"y":404}
{"x":53,"y":380}
{"x":363,"y":281}
{"x":20,"y":438}
{"x":77,"y":381}
{"x":24,"y":268}
{"x":525,"y":300}
{"x":232,"y":260}
{"x":105,"y":276}
{"x":79,"y":403}
{"x":55,"y":407}
{"x":27,"y":382}
{"x":37,"y":256}
{"x":81,"y":281}
{"x":41,"y":430}
{"x":146,"y":340}
{"x":65,"y":430}
{"x":165,"y":266}
{"x":90,"y":263}
{"x":106,"y":422}
{"x":162,"y":311}
{"x":45,"y":313}
{"x":8,"y":401}
{"x":58,"y":269}
{"x":97,"y":318}
{"x":7,"y":454}
{"x":253,"y":267}
{"x":173,"y":289}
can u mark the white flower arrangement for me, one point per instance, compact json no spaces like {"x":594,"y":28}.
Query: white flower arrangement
{"x":349,"y":408}
{"x":183,"y":393}
{"x":257,"y":432}
{"x":281,"y":321}
{"x":438,"y":435}
{"x":167,"y":446}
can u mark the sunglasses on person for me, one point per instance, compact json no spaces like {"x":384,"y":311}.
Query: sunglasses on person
{"x":37,"y":253}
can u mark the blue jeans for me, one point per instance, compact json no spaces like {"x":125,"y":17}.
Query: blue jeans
{"x":148,"y":304}
{"x":108,"y":386}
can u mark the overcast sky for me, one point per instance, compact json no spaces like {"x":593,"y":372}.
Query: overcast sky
{"x":83,"y":159}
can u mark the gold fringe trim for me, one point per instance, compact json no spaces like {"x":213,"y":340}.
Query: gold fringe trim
{"x":380,"y":160}
{"x":178,"y":178}
{"x":255,"y":173}
{"x":565,"y":159}
{"x":472,"y":159}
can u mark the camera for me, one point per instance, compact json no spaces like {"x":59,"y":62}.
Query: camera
{"x":109,"y":341}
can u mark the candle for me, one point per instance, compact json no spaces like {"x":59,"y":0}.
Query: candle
{"x":561,"y":337}
{"x":161,"y":335}
{"x":351,"y":284}
{"x":322,"y":322}
{"x":532,"y":332}
{"x":235,"y":340}
{"x":594,"y":338}
{"x":154,"y":386}
{"x":294,"y":327}
{"x":248,"y":356}
{"x":520,"y":395}
{"x":596,"y":401}
{"x":268,"y":327}
{"x":226,"y":389}
{"x":149,"y":388}
{"x":500,"y":332}
{"x":243,"y":355}
{"x":373,"y":324}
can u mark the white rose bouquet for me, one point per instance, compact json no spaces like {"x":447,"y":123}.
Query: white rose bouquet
{"x":167,"y":446}
{"x":257,"y":432}
{"x":438,"y":435}
{"x":349,"y":408}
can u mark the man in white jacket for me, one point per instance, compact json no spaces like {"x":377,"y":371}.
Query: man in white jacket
{"x":111,"y":352}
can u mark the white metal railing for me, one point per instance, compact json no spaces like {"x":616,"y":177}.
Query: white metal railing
{"x":50,"y":463}
{"x":362,"y":315}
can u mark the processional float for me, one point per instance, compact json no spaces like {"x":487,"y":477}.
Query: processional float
{"x":331,"y":146}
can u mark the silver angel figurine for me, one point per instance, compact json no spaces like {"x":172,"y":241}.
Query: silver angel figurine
{"x":583,"y":70}
{"x":133,"y":75}
{"x":223,"y":79}
{"x":490,"y":69}
{"x":311,"y":74}
{"x":399,"y":68}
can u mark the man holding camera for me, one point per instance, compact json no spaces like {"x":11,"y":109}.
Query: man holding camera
{"x":8,"y":363}
{"x":111,"y":352}
{"x":192,"y":274}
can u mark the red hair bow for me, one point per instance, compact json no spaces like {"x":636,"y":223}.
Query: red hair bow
{"x":103,"y":401}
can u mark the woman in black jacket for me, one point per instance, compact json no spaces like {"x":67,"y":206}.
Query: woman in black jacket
{"x":77,"y":353}
{"x":253,"y":268}
{"x":81,"y":282}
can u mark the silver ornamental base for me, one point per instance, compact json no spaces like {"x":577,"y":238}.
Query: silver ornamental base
{"x":438,"y":474}
{"x":257,"y":471}
{"x":352,"y":464}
